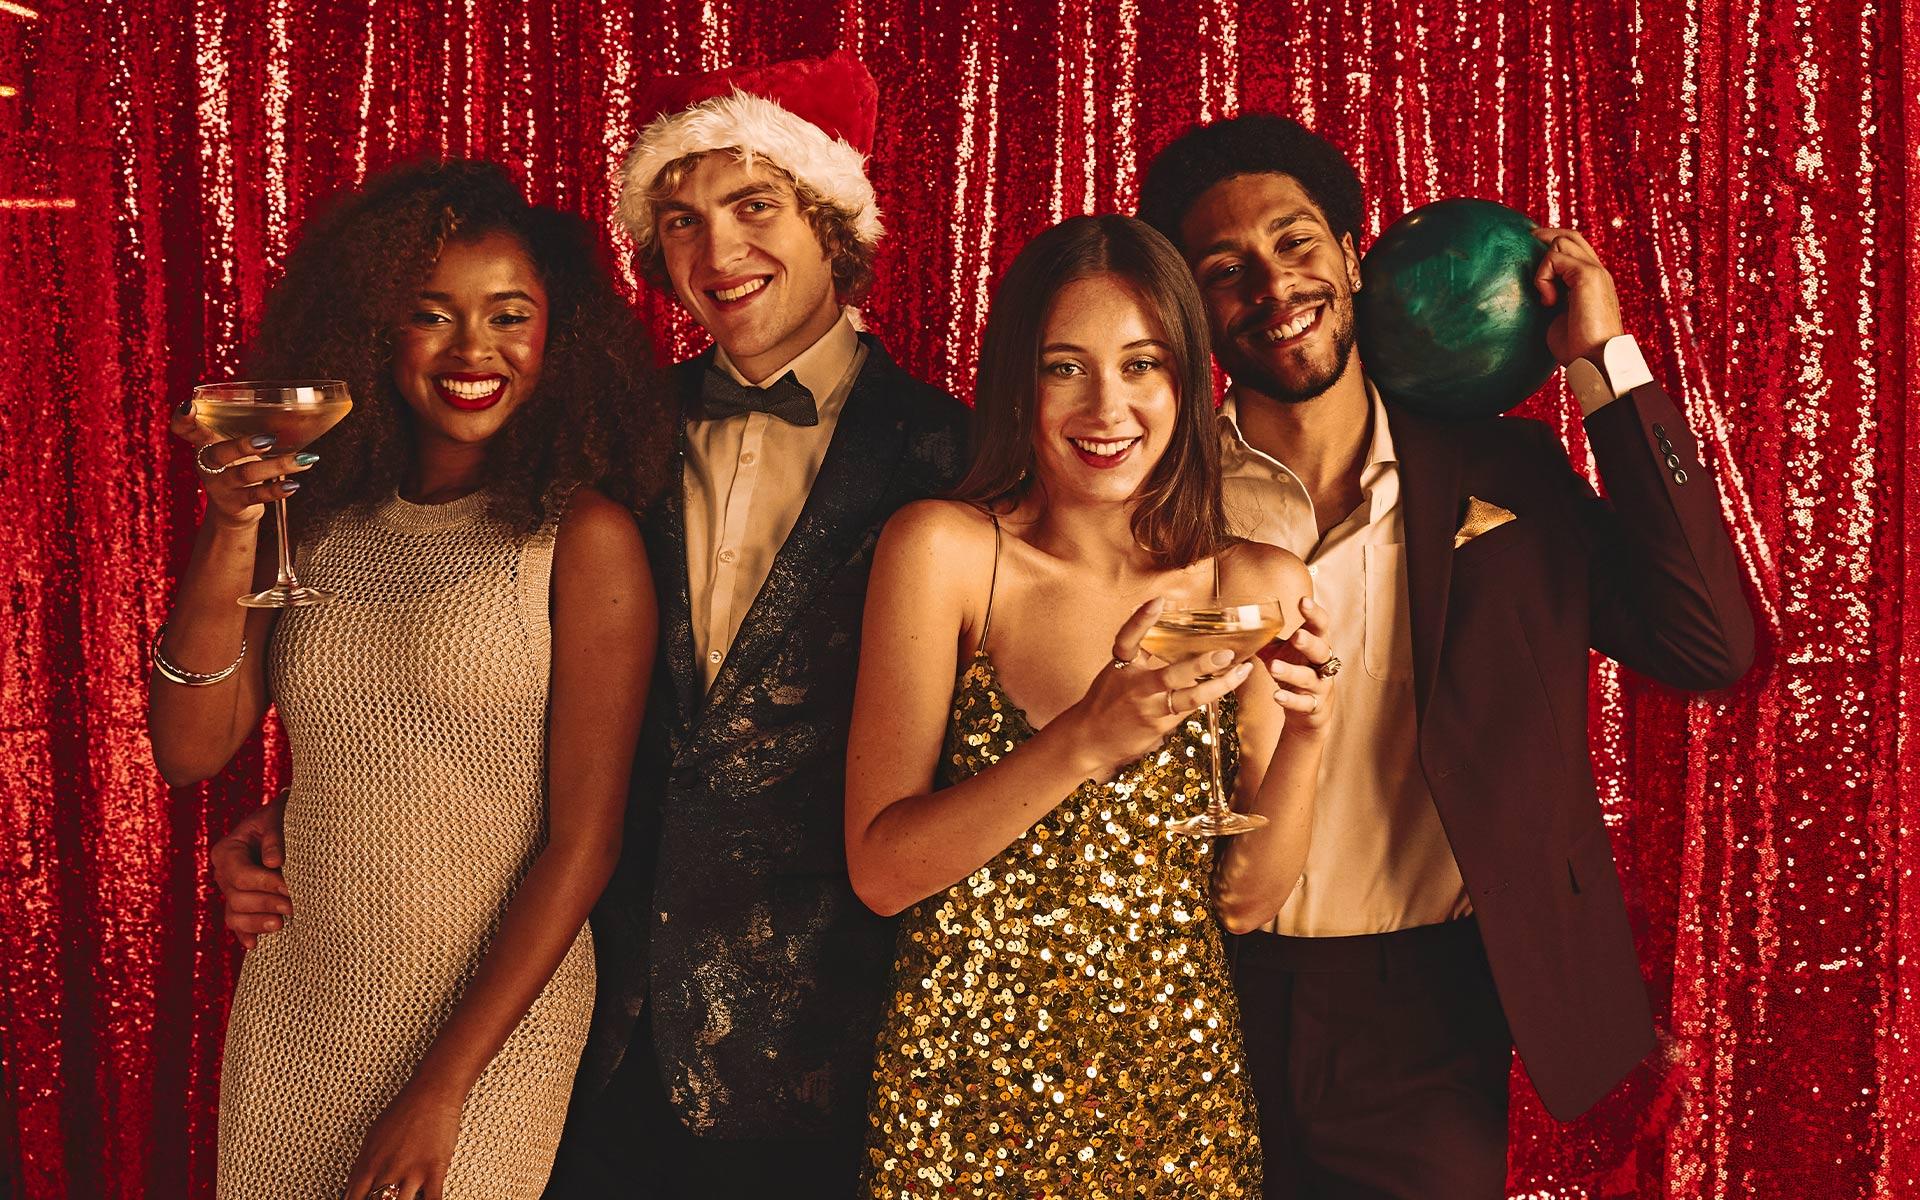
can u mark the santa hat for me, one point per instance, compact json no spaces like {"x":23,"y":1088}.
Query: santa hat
{"x":811,"y":117}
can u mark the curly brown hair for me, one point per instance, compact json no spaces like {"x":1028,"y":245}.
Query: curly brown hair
{"x":598,"y":416}
{"x":850,"y":258}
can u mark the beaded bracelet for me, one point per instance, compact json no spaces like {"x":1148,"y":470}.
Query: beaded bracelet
{"x":186,"y":678}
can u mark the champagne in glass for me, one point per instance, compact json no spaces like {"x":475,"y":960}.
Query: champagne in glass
{"x":1242,"y":626}
{"x":294,"y":413}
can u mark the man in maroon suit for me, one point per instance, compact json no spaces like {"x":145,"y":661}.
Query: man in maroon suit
{"x":1459,"y":898}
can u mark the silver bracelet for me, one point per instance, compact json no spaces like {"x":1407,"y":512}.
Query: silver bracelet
{"x":186,"y":678}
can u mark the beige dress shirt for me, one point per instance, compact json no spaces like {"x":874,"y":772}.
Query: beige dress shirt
{"x":746,"y":480}
{"x":1379,"y":859}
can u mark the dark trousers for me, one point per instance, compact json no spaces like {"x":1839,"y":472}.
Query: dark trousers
{"x":629,"y":1143}
{"x":1380,"y":1064}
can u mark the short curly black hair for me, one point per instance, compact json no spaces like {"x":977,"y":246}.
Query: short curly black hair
{"x":1251,"y":144}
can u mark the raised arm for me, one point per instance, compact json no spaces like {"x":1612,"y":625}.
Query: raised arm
{"x":1665,"y":585}
{"x":1284,"y":711}
{"x":605,"y":623}
{"x":196,"y":725}
{"x":907,"y":839}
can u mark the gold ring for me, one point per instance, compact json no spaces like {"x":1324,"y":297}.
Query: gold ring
{"x":1329,"y":668}
{"x":1120,"y":664}
{"x":200,"y":460}
{"x":1171,"y":711}
{"x":390,"y":1192}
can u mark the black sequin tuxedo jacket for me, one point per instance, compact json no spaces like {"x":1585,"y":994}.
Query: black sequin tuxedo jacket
{"x":1501,"y":629}
{"x":731,"y":919}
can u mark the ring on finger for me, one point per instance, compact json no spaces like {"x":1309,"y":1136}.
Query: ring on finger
{"x":390,"y":1192}
{"x":200,"y":460}
{"x":1329,"y":668}
{"x":1120,"y":664}
{"x":1171,"y":710}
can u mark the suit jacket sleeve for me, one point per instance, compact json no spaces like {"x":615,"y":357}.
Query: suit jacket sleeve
{"x":1665,"y":591}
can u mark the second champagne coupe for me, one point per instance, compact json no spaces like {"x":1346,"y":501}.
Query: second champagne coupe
{"x":1242,"y":626}
{"x":293,"y":412}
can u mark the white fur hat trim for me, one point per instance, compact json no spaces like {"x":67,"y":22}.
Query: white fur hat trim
{"x":757,"y":128}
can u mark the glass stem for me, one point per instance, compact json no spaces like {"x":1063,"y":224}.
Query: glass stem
{"x":286,"y":582}
{"x":1216,"y":803}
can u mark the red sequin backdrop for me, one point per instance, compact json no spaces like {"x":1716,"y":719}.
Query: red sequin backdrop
{"x":1743,"y":166}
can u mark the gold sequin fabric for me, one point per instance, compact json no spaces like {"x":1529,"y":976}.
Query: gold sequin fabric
{"x":415,"y":704}
{"x":1061,"y":1022}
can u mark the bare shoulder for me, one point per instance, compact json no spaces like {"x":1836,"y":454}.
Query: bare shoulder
{"x":951,"y":529}
{"x":598,"y":534}
{"x":1249,"y":566}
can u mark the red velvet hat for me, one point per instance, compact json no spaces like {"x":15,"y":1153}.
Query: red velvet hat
{"x":811,"y":117}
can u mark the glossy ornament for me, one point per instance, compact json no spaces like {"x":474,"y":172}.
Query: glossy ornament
{"x":1451,"y":324}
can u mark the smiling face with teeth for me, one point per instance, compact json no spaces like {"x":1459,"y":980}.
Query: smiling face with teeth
{"x":1277,"y":283}
{"x":745,"y":262}
{"x":1107,"y":399}
{"x":469,"y":354}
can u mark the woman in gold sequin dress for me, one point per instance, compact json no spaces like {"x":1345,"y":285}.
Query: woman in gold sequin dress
{"x":461,"y":715}
{"x":1061,"y":1022}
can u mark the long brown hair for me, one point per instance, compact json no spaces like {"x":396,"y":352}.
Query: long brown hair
{"x":599,"y":415}
{"x":1178,"y":517}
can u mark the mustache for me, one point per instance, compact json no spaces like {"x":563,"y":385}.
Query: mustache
{"x":1263,"y":316}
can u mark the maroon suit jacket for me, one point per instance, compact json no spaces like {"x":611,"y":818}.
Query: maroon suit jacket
{"x":1501,"y":630}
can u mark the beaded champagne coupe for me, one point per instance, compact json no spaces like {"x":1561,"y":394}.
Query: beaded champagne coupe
{"x":1242,"y":626}
{"x":293,"y":412}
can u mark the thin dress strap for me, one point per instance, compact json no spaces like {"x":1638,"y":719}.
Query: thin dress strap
{"x":986,"y":622}
{"x":1216,"y":577}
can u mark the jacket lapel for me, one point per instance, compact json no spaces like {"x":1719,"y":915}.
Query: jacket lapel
{"x":669,"y":529}
{"x":1429,"y":500}
{"x":839,"y":512}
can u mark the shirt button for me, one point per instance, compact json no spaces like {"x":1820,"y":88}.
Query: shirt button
{"x":726,"y":555}
{"x":746,"y":460}
{"x":714,"y":657}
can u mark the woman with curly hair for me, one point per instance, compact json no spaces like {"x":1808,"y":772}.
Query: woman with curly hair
{"x":461,"y":715}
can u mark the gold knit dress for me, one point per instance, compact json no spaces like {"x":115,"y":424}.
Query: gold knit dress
{"x":1062,"y":1023}
{"x":415,"y":705}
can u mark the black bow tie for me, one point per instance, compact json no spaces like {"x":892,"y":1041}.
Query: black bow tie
{"x":786,"y":398}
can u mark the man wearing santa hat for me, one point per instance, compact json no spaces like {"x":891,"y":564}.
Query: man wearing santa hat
{"x":740,"y":978}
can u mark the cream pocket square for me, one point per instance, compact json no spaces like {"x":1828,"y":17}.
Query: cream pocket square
{"x":1480,"y":518}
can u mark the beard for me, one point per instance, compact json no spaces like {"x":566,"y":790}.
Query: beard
{"x":1251,"y":372}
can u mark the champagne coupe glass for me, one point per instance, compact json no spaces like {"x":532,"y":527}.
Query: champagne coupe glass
{"x":294,"y":412}
{"x":1242,"y":626}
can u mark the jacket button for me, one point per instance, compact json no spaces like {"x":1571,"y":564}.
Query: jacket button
{"x":1673,"y":461}
{"x":1680,"y":477}
{"x":1659,"y":431}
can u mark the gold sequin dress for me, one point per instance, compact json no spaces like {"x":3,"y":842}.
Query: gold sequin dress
{"x":415,"y":705}
{"x":1062,"y":1023}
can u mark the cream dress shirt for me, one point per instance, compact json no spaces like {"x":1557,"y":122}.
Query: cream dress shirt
{"x":1380,"y":860}
{"x":745,"y":481}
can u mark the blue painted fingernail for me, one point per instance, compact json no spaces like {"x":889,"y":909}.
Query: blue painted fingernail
{"x":289,"y":485}
{"x":306,"y":458}
{"x":260,"y":441}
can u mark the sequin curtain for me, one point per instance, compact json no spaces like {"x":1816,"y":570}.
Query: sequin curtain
{"x":1743,"y":165}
